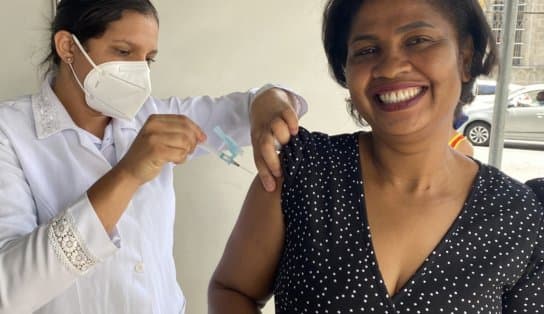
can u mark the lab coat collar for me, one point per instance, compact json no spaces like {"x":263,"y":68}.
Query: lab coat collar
{"x":51,"y":117}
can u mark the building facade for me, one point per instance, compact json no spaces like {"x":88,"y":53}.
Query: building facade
{"x":528,"y":56}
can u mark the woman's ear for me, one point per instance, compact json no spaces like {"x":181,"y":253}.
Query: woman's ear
{"x":465,"y":55}
{"x":64,"y":45}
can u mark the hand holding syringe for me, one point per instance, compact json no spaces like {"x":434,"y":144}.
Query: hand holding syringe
{"x":232,"y":148}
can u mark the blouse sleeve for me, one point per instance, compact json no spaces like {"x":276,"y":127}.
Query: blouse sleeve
{"x":527,"y":296}
{"x":293,"y":156}
{"x":38,"y":262}
{"x":538,"y":187}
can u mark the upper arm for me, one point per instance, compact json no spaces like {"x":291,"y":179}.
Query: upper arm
{"x":17,"y":207}
{"x":527,"y":296}
{"x":537,"y":185}
{"x":249,"y":262}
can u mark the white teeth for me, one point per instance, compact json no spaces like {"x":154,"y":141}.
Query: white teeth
{"x":400,"y":95}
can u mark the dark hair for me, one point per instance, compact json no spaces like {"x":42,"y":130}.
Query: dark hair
{"x":90,"y":19}
{"x":466,"y":16}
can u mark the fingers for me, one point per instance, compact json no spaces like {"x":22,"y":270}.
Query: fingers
{"x":185,"y":141}
{"x":175,"y":123}
{"x":267,"y":178}
{"x":280,"y":130}
{"x":266,"y":157}
{"x":291,"y":119}
{"x":175,"y":155}
{"x":175,"y":132}
{"x":162,"y":139}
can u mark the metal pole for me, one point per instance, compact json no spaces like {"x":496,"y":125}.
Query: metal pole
{"x":54,"y":7}
{"x":501,"y":100}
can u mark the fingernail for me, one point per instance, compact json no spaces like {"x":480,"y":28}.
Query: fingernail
{"x":269,"y":185}
{"x":277,"y":145}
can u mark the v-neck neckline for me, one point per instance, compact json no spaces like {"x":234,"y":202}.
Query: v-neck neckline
{"x":380,"y":282}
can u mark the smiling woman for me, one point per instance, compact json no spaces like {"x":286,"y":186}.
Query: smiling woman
{"x":393,"y":220}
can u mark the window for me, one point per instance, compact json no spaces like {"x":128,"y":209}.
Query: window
{"x":533,"y":98}
{"x":495,"y":14}
{"x":483,"y":89}
{"x":539,"y":99}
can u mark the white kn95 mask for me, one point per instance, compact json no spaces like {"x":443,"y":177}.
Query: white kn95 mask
{"x":117,"y":89}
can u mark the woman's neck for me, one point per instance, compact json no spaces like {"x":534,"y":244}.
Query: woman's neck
{"x":412,"y":166}
{"x":73,"y":99}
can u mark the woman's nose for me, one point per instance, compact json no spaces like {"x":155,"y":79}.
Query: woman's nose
{"x":391,"y":65}
{"x":142,"y":58}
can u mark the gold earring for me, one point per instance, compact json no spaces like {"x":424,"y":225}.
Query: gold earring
{"x":69,"y":60}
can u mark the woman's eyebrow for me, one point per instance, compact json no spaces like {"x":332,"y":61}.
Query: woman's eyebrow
{"x":124,"y":41}
{"x":402,"y":29}
{"x":414,"y":25}
{"x":364,"y":37}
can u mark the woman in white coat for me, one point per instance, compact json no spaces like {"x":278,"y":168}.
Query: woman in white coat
{"x":86,"y":197}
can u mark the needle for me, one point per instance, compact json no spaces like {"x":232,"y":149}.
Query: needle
{"x":211,"y":150}
{"x":243,"y":168}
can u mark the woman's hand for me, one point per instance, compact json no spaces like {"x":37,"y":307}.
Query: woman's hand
{"x":273,"y":121}
{"x":162,"y":139}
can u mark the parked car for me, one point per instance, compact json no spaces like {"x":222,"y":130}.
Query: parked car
{"x":485,"y":90}
{"x":524,"y":119}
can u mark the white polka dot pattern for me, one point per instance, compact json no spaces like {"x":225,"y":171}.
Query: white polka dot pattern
{"x":490,"y":261}
{"x":538,"y":187}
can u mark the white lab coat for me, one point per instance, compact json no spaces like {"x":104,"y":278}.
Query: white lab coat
{"x":55,"y":256}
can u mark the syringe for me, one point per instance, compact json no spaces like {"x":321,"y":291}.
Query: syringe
{"x":226,"y":158}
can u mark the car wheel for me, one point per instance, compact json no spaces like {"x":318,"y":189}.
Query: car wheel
{"x":478,"y":133}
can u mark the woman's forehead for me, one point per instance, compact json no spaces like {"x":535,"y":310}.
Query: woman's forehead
{"x":396,"y":13}
{"x":133,"y":27}
{"x":134,"y":22}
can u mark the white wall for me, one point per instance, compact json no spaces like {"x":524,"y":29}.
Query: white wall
{"x":23,"y":34}
{"x":206,"y":47}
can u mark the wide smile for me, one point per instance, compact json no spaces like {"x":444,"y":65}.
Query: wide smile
{"x":399,"y":99}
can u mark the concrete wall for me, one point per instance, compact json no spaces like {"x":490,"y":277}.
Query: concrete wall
{"x":206,"y":47}
{"x":531,"y":70}
{"x":528,"y":75}
{"x":534,"y":34}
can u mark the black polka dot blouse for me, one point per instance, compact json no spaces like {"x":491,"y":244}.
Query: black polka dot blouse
{"x":538,"y":187}
{"x":490,"y":261}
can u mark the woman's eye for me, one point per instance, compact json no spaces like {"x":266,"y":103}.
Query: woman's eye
{"x":366,"y":51}
{"x":123,"y":52}
{"x":417,"y":40}
{"x":150,"y":60}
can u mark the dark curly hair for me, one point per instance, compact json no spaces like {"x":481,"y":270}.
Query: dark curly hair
{"x":466,"y":16}
{"x":90,"y":19}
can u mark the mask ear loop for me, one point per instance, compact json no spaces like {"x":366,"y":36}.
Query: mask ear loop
{"x":77,"y":80}
{"x":78,"y":44}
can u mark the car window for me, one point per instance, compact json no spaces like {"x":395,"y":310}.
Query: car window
{"x":530,"y":99}
{"x":540,"y":98}
{"x":482,"y":89}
